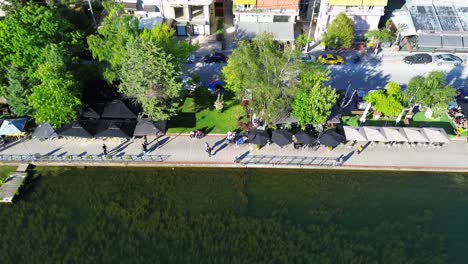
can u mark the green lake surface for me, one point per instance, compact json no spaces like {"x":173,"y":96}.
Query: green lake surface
{"x":189,"y":215}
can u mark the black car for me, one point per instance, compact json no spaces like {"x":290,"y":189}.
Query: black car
{"x":215,"y":58}
{"x":422,"y":58}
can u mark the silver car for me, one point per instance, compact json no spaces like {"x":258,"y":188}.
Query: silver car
{"x":448,"y":59}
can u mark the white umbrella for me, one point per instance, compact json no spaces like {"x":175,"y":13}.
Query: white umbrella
{"x":436,"y":135}
{"x":415,"y":134}
{"x":395,"y":134}
{"x":375,"y":134}
{"x":354,"y":133}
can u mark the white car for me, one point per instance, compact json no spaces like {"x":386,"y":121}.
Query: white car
{"x":448,"y":59}
{"x":188,"y":83}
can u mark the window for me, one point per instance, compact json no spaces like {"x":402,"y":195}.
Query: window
{"x":197,"y":12}
{"x":281,"y":19}
{"x":179,"y":12}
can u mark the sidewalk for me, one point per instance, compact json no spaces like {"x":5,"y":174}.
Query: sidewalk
{"x":184,"y":151}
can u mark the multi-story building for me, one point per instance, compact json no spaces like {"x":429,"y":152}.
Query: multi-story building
{"x":366,"y":14}
{"x":253,"y":17}
{"x":190,"y":17}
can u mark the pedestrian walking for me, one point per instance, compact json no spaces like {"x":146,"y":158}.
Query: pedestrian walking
{"x":145,"y":140}
{"x":360,"y":149}
{"x":104,"y":149}
{"x":144,"y":148}
{"x":208,"y":149}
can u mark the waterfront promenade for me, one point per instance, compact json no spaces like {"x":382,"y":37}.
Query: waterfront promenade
{"x":181,"y":150}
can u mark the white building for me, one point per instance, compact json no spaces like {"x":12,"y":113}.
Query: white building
{"x":365,"y":14}
{"x":252,"y":17}
{"x":194,"y":15}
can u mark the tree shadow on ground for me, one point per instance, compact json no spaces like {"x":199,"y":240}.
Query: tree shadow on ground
{"x":184,"y":120}
{"x":361,"y":76}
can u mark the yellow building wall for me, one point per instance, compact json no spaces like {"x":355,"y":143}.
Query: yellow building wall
{"x":358,"y":2}
{"x":245,"y":2}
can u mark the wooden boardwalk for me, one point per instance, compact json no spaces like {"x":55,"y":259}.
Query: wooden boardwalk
{"x":12,"y":184}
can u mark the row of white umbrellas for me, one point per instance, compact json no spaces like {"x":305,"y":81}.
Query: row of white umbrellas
{"x":396,"y":134}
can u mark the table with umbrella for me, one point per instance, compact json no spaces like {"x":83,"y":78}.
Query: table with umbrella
{"x":258,"y":137}
{"x":305,"y":139}
{"x":281,"y":137}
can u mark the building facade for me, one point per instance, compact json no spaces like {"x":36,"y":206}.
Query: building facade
{"x":189,"y":17}
{"x":365,"y":14}
{"x":252,"y":17}
{"x":433,"y":25}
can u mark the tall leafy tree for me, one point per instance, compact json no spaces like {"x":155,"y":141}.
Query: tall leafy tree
{"x":431,"y":91}
{"x":149,"y":75}
{"x":315,"y":99}
{"x":17,"y":92}
{"x":266,"y":74}
{"x":109,"y":46}
{"x":26,"y":31}
{"x":340,"y":33}
{"x":55,"y":99}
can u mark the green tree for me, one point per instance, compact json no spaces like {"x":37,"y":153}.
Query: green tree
{"x":378,"y":36}
{"x":431,"y":91}
{"x":340,"y":33}
{"x":164,"y":37}
{"x":315,"y":99}
{"x":387,"y":102}
{"x":17,"y":92}
{"x":109,"y":46}
{"x":55,"y":99}
{"x":26,"y":31}
{"x":302,"y":41}
{"x":149,"y":74}
{"x":261,"y":71}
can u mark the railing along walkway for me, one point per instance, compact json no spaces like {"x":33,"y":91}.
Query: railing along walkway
{"x":85,"y":158}
{"x":291,"y":160}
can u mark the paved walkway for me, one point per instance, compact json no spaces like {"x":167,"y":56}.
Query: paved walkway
{"x":182,"y":150}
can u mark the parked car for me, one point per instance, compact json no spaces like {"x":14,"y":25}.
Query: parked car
{"x":308,"y":58}
{"x":188,"y":83}
{"x":330,"y":59}
{"x":448,"y":59}
{"x":216,"y":57}
{"x":191,"y":59}
{"x":422,"y":58}
{"x":360,"y":104}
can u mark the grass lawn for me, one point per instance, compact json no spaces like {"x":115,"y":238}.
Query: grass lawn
{"x":204,"y":117}
{"x":419,"y":120}
{"x":5,"y":172}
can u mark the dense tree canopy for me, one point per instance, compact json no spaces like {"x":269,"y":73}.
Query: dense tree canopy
{"x":380,"y":35}
{"x":315,"y":99}
{"x":25,"y":32}
{"x":387,"y":102}
{"x":17,"y":92}
{"x":55,"y":99}
{"x":340,"y":33}
{"x":431,"y":91}
{"x":266,"y":74}
{"x":109,"y":45}
{"x":149,"y":74}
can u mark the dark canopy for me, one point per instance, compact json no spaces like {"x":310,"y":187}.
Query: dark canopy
{"x":146,"y":126}
{"x":90,"y":113}
{"x":74,"y":130}
{"x":259,"y":137}
{"x":107,"y":128}
{"x":305,"y":139}
{"x":117,"y":109}
{"x":331,"y":139}
{"x":44,"y":131}
{"x":281,"y":137}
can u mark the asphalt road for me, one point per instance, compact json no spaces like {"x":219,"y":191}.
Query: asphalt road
{"x":369,"y":74}
{"x":375,"y":73}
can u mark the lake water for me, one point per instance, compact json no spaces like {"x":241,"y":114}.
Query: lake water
{"x":187,"y":215}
